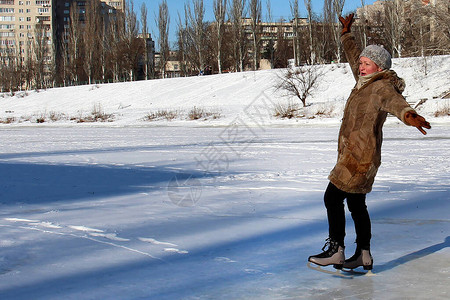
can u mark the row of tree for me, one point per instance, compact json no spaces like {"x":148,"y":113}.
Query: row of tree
{"x":97,"y":46}
{"x":406,"y":28}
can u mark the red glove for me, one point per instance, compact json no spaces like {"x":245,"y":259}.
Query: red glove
{"x":413,"y":119}
{"x":346,"y":23}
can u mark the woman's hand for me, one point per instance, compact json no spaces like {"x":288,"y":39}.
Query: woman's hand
{"x":417,"y":121}
{"x":346,"y":23}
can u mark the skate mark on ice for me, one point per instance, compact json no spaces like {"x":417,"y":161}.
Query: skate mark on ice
{"x":50,"y":228}
{"x":109,"y":236}
{"x":49,"y":225}
{"x":85,"y":229}
{"x":20,"y":220}
{"x":224,"y":259}
{"x":34,"y":222}
{"x":175,"y":250}
{"x":155,"y":242}
{"x":170,"y":246}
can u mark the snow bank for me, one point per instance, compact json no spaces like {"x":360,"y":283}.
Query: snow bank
{"x":222,"y":98}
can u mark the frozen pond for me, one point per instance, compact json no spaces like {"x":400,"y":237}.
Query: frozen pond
{"x":212,"y":213}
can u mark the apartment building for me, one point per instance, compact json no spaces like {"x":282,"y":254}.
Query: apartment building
{"x":25,"y":25}
{"x":31,"y":26}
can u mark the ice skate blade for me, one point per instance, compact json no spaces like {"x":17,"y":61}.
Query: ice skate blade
{"x":369,"y":273}
{"x":320,"y":269}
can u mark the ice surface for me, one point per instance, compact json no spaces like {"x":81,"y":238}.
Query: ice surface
{"x":87,"y":214}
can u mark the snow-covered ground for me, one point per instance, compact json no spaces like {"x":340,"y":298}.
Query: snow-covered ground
{"x":227,"y":208}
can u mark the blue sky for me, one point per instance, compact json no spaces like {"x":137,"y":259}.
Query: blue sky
{"x":280,"y":9}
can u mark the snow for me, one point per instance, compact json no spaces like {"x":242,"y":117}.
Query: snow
{"x":225,"y":96}
{"x":226,"y":208}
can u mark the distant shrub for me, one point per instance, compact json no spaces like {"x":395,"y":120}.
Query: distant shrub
{"x":97,"y":115}
{"x":287,"y":110}
{"x":443,"y":112}
{"x":169,"y":115}
{"x":199,"y":113}
{"x":8,"y":120}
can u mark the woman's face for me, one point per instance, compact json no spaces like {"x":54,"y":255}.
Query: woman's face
{"x":367,"y":66}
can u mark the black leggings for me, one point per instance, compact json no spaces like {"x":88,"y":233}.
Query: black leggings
{"x":334,"y":202}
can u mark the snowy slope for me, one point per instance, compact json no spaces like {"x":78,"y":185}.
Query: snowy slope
{"x":226,"y":95}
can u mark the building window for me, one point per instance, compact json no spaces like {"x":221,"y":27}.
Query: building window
{"x":6,"y":10}
{"x":7,"y":18}
{"x":6,"y":34}
{"x":6,"y":26}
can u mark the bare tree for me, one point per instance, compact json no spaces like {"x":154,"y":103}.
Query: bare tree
{"x":196,"y":30}
{"x":74,"y":43}
{"x":12,"y":70}
{"x":338,"y":6}
{"x":299,"y":82}
{"x":147,"y":61}
{"x":394,"y":26}
{"x":311,"y":32}
{"x":163,"y":40}
{"x":283,"y":49}
{"x":270,"y":47}
{"x":41,"y":54}
{"x":91,"y":39}
{"x":182,"y":46}
{"x":295,"y":26}
{"x":237,"y":14}
{"x":220,"y":9}
{"x":440,"y":27}
{"x":132,"y":45}
{"x":363,"y":27}
{"x":113,"y":42}
{"x":255,"y":19}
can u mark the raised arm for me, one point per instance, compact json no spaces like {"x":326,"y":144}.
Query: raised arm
{"x":351,"y":49}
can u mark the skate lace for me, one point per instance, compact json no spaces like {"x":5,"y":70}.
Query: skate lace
{"x":327,"y":244}
{"x":332,"y":245}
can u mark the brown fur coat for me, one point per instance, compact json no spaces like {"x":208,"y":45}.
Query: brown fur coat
{"x":360,"y":136}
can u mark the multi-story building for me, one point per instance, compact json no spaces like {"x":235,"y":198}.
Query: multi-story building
{"x":39,"y":29}
{"x":24,"y":26}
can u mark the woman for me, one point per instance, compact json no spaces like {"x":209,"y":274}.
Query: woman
{"x":377,"y":92}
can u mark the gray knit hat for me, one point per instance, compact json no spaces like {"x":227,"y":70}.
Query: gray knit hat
{"x":378,"y":55}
